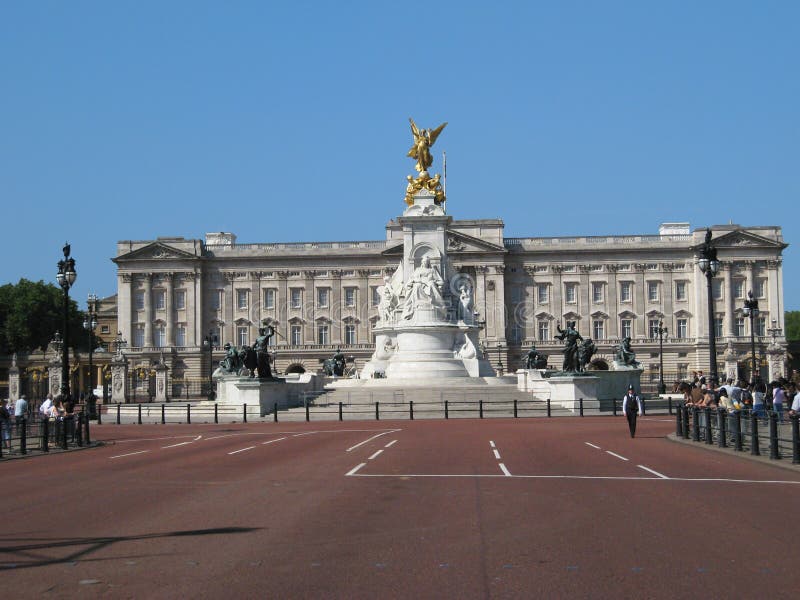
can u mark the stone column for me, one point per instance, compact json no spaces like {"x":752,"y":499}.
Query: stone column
{"x":168,"y":304}
{"x":727,"y":286}
{"x":336,"y":308}
{"x":309,"y":308}
{"x":612,"y":302}
{"x":13,"y":380}
{"x":124,"y":314}
{"x":777,"y":359}
{"x":148,"y":309}
{"x":197,"y":312}
{"x":282,"y":305}
{"x":639,"y":306}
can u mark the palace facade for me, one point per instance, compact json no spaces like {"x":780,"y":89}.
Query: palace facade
{"x":175,"y":295}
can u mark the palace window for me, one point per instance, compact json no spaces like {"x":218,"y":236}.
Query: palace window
{"x":216,"y":300}
{"x":138,"y":337}
{"x":571,"y":293}
{"x":517,"y":334}
{"x":375,"y":295}
{"x":350,"y":296}
{"x":161,"y":299}
{"x":541,"y":293}
{"x":598,"y":329}
{"x":295,"y":335}
{"x":680,"y":290}
{"x":180,"y":335}
{"x":739,"y":324}
{"x":761,"y":326}
{"x":652,"y":327}
{"x":760,"y":290}
{"x":323,"y":297}
{"x":718,"y":322}
{"x":269,"y":298}
{"x":297,"y":297}
{"x":350,"y":334}
{"x":652,"y":291}
{"x":738,"y":288}
{"x":242,"y":336}
{"x":597,"y":292}
{"x":544,"y":331}
{"x":716,"y":289}
{"x":626,"y":328}
{"x":241,"y":299}
{"x":625,"y":291}
{"x":138,"y":300}
{"x":160,"y":336}
{"x":322,"y":334}
{"x":180,"y":299}
{"x":682,"y":328}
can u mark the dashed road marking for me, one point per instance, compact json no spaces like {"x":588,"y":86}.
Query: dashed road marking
{"x":496,"y":454}
{"x":376,"y":454}
{"x":272,"y":441}
{"x":653,"y":472}
{"x":242,"y":450}
{"x":354,"y":470}
{"x":617,"y":455}
{"x":351,"y":448}
{"x":175,"y":445}
{"x":390,"y":444}
{"x":592,"y":445}
{"x":504,"y":470}
{"x":129,"y":454}
{"x":491,"y":443}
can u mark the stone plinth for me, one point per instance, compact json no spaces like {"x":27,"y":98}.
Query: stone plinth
{"x":534,"y":382}
{"x":568,"y":389}
{"x":161,"y":382}
{"x":265,"y":394}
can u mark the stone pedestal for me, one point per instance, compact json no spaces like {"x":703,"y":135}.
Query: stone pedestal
{"x":568,"y":390}
{"x":161,"y":382}
{"x":54,"y":370}
{"x":119,"y":379}
{"x":252,"y":391}
{"x":534,"y":382}
{"x":13,"y":382}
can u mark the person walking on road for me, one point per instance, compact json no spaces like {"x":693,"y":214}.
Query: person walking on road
{"x":631,"y":408}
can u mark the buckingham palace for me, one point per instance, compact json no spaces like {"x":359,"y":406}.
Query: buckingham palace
{"x":180,"y":300}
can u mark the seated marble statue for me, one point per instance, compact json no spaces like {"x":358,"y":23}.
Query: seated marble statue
{"x":625,"y":354}
{"x":423,"y":289}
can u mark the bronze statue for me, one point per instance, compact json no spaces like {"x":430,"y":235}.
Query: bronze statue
{"x":231,"y":364}
{"x":335,"y":366}
{"x":535,"y":359}
{"x":570,"y":337}
{"x":625,"y":354}
{"x":249,"y":360}
{"x":585,"y":352}
{"x":261,"y":347}
{"x":423,"y":140}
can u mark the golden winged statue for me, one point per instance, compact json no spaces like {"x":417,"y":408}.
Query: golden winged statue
{"x":423,"y":140}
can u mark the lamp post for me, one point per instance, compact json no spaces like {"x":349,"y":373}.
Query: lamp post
{"x":90,"y":324}
{"x":500,"y":358}
{"x":751,"y":310}
{"x":209,"y":342}
{"x":709,"y":265}
{"x":662,"y":333}
{"x":66,"y":276}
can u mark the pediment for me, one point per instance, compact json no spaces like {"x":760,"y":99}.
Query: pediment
{"x":156,"y":251}
{"x":543,"y":314}
{"x":741,"y":238}
{"x":458,"y":242}
{"x":683,"y":314}
{"x":599,"y":314}
{"x":394,"y":250}
{"x":626,"y":314}
{"x":571,"y":316}
{"x":654,"y":314}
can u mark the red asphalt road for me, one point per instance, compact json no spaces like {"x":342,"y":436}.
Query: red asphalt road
{"x":268,"y":511}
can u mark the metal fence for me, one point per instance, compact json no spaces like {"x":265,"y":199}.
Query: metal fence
{"x":36,"y":434}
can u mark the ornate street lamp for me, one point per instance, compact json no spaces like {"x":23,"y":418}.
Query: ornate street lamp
{"x":209,"y":342}
{"x":751,"y":310}
{"x":661,"y":331}
{"x":709,"y":265}
{"x":90,"y":324}
{"x":66,"y":276}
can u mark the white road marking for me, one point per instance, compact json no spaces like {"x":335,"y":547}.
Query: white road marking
{"x":272,"y":441}
{"x":217,"y":437}
{"x":354,"y":470}
{"x":653,"y":472}
{"x":491,"y":443}
{"x":598,"y":477}
{"x":592,"y":445}
{"x":159,"y":439}
{"x":504,"y":470}
{"x":197,"y":438}
{"x":617,"y":455}
{"x":496,"y":454}
{"x":306,"y":433}
{"x":175,"y":445}
{"x":242,"y":450}
{"x":390,"y":444}
{"x":130,"y":454}
{"x":370,"y":439}
{"x":376,"y":454}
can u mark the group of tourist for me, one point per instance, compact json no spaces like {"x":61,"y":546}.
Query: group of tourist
{"x":733,"y":395}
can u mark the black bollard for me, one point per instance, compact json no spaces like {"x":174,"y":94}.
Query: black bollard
{"x":100,"y":415}
{"x":45,"y":435}
{"x":708,"y":435}
{"x":755,"y":450}
{"x":614,"y":404}
{"x":188,"y":414}
{"x":118,"y":407}
{"x":164,"y":413}
{"x":411,"y":409}
{"x":275,"y":412}
{"x":695,"y":425}
{"x":23,"y":437}
{"x":580,"y":406}
{"x":774,"y":451}
{"x":737,"y":425}
{"x":377,"y":412}
{"x":446,"y":410}
{"x":244,"y":411}
{"x":340,"y":412}
{"x":678,"y":423}
{"x":139,"y":418}
{"x":515,"y":408}
{"x":63,"y":424}
{"x":78,"y":437}
{"x":795,"y":420}
{"x":548,"y":408}
{"x":308,"y":415}
{"x":721,"y":441}
{"x":480,"y":408}
{"x":669,"y":404}
{"x":86,"y":436}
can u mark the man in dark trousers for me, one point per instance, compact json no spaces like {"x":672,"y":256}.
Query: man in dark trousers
{"x":631,"y":408}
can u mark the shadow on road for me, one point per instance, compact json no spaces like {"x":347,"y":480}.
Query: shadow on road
{"x":30,"y":554}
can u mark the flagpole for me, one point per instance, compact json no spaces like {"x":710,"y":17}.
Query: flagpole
{"x":444,"y":183}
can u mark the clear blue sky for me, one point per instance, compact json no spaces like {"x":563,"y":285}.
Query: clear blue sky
{"x":287,"y":121}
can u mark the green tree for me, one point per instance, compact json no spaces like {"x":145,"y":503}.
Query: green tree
{"x":30,"y":314}
{"x":792,"y":319}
